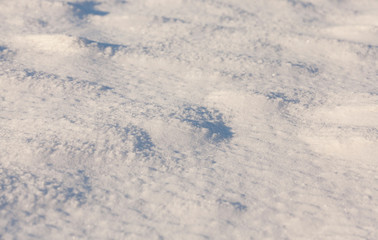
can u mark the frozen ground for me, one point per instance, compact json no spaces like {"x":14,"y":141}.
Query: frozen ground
{"x":189,"y":119}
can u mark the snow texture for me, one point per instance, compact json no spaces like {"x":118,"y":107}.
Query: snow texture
{"x":200,"y":119}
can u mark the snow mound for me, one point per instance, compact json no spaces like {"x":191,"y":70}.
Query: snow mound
{"x":47,"y":44}
{"x":346,"y":129}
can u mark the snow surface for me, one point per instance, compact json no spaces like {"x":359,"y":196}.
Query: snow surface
{"x":189,"y":119}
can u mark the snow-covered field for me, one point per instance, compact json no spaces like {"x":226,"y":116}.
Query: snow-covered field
{"x":189,"y":119}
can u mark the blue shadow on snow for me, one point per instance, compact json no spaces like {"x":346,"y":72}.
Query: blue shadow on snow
{"x":82,"y":9}
{"x":201,"y":117}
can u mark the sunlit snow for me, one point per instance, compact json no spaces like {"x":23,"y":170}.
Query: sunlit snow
{"x":189,"y":119}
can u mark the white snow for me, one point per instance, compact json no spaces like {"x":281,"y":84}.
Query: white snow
{"x":201,"y":119}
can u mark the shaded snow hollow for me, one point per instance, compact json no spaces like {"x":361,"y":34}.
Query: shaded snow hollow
{"x":202,"y":119}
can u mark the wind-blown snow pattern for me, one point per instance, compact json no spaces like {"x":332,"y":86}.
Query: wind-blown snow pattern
{"x":200,"y":119}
